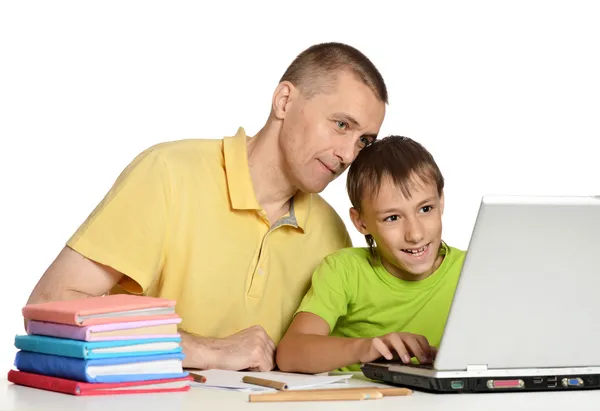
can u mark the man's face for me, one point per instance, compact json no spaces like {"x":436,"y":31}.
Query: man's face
{"x":322,"y":135}
{"x":407,"y":231}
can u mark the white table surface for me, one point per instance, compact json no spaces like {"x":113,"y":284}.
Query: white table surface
{"x":13,"y":397}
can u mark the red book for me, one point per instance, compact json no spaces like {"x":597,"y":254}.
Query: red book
{"x":72,"y":387}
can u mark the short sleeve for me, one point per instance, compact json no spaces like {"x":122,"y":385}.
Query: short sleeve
{"x":329,"y":293}
{"x":128,"y":229}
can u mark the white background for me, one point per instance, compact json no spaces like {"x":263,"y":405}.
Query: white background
{"x":506,"y":95}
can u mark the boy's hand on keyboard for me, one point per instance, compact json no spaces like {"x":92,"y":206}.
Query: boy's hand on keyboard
{"x":406,"y":345}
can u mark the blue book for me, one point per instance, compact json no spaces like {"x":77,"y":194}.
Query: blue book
{"x":98,"y":349}
{"x":104,"y":370}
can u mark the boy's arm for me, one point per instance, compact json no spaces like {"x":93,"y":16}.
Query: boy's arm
{"x":307,"y":347}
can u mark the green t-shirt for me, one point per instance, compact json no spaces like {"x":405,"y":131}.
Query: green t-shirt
{"x":358,"y":297}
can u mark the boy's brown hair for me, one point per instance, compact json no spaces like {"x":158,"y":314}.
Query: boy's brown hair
{"x":397,"y":157}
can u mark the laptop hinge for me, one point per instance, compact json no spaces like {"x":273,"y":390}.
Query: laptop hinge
{"x":477,"y":367}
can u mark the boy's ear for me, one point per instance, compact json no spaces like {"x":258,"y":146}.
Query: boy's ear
{"x":358,"y":222}
{"x":442,"y":203}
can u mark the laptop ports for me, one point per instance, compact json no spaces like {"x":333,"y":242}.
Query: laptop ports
{"x":572,"y":382}
{"x":457,"y":385}
{"x":538,"y":380}
{"x":505,"y":384}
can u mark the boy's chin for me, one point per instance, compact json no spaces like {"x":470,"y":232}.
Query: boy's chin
{"x":418,"y":270}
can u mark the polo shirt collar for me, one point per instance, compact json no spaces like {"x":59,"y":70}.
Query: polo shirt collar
{"x":241,"y":189}
{"x":239,"y":183}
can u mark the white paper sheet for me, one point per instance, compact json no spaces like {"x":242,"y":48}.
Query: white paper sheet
{"x":232,"y":380}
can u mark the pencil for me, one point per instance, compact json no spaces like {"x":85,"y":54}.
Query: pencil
{"x":198,"y":378}
{"x":300,"y":395}
{"x":278,"y":385}
{"x":385,"y":391}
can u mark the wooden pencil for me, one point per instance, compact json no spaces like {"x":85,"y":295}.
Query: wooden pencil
{"x":278,"y":385}
{"x":198,"y":377}
{"x":313,"y":395}
{"x":385,"y":391}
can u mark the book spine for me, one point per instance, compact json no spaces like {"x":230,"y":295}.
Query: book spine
{"x":52,"y":365}
{"x":66,"y":349}
{"x":42,"y":382}
{"x":33,"y":313}
{"x":72,"y":332}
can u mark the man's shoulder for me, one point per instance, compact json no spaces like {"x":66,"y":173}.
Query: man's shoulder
{"x":193,"y":149}
{"x":324,"y":213}
{"x":325,"y":222}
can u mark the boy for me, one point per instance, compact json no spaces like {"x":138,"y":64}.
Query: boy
{"x":393,"y":297}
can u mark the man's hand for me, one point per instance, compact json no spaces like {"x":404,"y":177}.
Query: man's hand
{"x":407,"y":345}
{"x":250,"y":349}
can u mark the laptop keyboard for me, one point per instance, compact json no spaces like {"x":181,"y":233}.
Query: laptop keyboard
{"x":421,"y":366}
{"x":399,"y":362}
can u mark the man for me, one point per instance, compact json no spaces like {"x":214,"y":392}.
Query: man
{"x":232,"y":228}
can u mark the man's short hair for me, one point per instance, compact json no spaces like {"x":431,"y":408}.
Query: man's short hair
{"x":316,"y":68}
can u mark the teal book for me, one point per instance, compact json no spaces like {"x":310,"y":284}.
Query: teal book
{"x":98,"y":349}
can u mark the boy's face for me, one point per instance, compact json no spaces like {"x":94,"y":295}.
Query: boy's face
{"x":408,"y":232}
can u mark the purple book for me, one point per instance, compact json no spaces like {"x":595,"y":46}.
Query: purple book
{"x":104,"y":332}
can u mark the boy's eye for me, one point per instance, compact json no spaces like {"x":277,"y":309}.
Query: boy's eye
{"x":364,"y":142}
{"x":426,"y":209}
{"x":392,"y":218}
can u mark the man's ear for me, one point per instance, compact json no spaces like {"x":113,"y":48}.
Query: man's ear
{"x":282,"y":99}
{"x":358,"y":221}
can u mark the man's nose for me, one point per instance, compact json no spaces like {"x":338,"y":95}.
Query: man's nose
{"x":346,"y":151}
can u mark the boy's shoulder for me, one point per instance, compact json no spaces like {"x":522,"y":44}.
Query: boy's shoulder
{"x":455,"y":258}
{"x":455,"y":252}
{"x":350,"y":258}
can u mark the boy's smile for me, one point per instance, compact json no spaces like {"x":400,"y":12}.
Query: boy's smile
{"x":407,"y":227}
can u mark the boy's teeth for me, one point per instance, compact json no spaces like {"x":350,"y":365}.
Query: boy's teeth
{"x":415,"y":250}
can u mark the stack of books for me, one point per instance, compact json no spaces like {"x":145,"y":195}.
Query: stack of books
{"x":114,"y":344}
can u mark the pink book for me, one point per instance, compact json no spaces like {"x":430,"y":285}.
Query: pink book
{"x":101,"y":310}
{"x":104,"y":332}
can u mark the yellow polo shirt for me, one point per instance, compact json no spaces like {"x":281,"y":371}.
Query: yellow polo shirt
{"x":182,"y":222}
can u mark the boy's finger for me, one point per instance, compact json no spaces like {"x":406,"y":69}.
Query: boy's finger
{"x":414,"y":346}
{"x":382,"y":348}
{"x":400,"y":348}
{"x":427,"y":349}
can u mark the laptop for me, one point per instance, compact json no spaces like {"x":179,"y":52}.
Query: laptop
{"x":526,"y":312}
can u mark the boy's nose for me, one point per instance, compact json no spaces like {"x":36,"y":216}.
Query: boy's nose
{"x":414,"y":231}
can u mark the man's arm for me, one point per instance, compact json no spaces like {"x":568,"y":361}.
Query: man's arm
{"x":307,"y":347}
{"x":72,"y":276}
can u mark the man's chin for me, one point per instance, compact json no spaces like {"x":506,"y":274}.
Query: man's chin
{"x":314,"y":187}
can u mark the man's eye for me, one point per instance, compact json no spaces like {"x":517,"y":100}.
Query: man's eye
{"x":342,"y":125}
